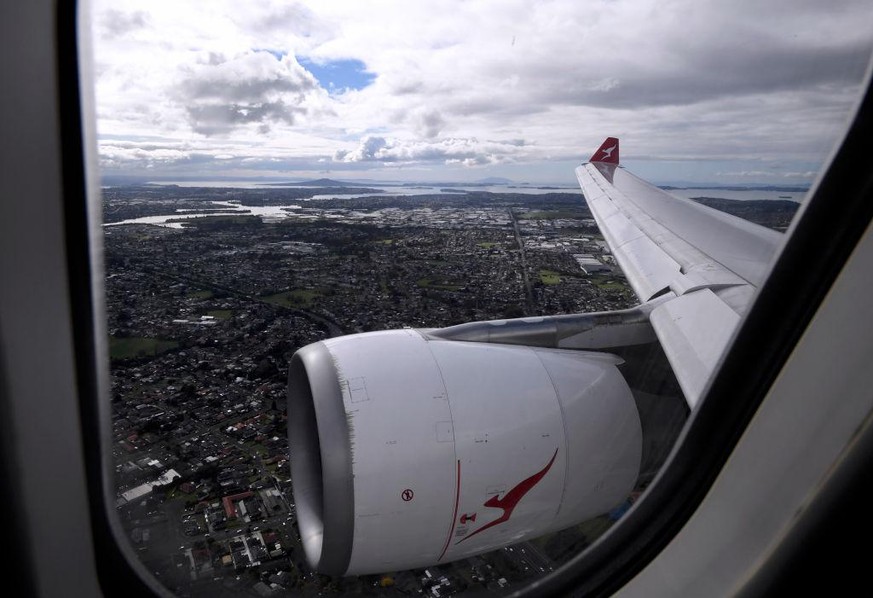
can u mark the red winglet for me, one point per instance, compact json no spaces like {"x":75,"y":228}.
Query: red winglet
{"x":608,"y":152}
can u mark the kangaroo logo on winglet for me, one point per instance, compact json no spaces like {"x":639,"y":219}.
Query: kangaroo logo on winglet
{"x":607,"y":152}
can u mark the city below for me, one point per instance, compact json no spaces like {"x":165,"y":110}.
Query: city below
{"x":209,"y":292}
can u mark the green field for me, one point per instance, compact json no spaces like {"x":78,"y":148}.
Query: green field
{"x":135,"y":346}
{"x":294,"y":298}
{"x":438,"y":283}
{"x":176,"y":494}
{"x":549,"y":277}
{"x":201,"y":294}
{"x":220,"y":314}
{"x":487,"y":245}
{"x":608,"y":284}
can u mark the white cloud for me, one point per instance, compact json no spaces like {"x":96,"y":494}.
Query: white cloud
{"x":253,"y":88}
{"x":452,"y":151}
{"x":675,"y":79}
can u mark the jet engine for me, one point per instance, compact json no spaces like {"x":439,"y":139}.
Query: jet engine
{"x":409,"y":450}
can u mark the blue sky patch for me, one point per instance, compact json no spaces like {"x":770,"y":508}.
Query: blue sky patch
{"x":339,"y":75}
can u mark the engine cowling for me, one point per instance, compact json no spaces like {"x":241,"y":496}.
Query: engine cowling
{"x":408,"y":450}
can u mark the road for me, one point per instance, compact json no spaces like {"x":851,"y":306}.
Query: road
{"x":528,"y":295}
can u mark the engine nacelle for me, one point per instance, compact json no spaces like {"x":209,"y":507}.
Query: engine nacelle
{"x":408,"y":450}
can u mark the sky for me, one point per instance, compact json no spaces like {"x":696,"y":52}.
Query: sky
{"x":728,"y":92}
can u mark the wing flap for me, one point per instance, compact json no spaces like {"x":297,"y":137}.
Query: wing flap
{"x":694,"y":330}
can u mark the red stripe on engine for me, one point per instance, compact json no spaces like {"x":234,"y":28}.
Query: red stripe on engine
{"x":455,"y":514}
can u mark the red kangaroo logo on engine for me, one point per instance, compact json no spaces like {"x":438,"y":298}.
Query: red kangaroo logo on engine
{"x":512,"y":498}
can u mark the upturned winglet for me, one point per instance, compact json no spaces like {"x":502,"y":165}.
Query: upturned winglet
{"x":607,"y":152}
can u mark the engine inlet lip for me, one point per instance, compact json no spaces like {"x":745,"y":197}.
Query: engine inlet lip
{"x":321,"y":473}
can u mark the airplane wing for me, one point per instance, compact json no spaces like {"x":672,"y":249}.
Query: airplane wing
{"x":706,"y":264}
{"x":514,"y":428}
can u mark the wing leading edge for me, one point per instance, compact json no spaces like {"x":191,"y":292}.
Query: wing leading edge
{"x":706,"y":264}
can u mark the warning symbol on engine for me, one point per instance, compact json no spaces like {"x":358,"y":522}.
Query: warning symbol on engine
{"x":407,"y":495}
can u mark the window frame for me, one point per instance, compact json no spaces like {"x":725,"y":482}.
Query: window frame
{"x":798,"y":283}
{"x":793,"y":292}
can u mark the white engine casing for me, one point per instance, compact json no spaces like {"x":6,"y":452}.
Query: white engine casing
{"x":408,"y":450}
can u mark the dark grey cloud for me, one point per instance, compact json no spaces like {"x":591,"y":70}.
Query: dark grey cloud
{"x":214,"y":58}
{"x":429,"y":123}
{"x":254,"y":87}
{"x":711,"y":72}
{"x":211,"y":119}
{"x":293,"y":17}
{"x":257,"y":88}
{"x":677,"y":55}
{"x":407,"y":88}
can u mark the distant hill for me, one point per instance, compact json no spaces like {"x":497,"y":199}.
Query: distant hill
{"x":777,"y":188}
{"x":772,"y":213}
{"x":486,"y":182}
{"x":318,"y":183}
{"x":122,"y":180}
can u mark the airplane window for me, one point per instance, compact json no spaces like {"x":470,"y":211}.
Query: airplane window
{"x":403,"y":299}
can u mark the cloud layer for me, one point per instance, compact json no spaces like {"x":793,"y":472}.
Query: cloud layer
{"x":481,"y":87}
